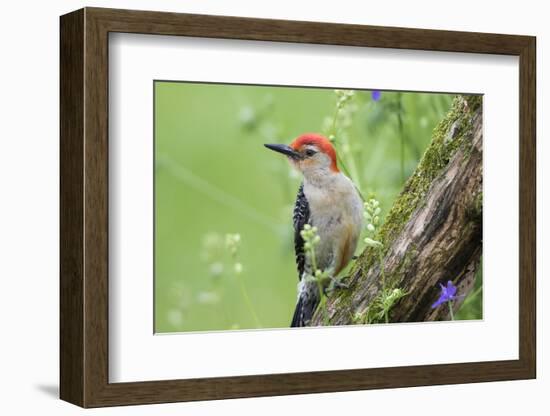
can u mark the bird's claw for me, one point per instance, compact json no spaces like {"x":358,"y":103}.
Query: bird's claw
{"x":335,"y":284}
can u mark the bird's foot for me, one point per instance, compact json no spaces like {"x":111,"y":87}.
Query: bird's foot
{"x":335,"y":284}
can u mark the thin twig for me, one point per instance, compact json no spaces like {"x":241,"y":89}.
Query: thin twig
{"x":184,"y":175}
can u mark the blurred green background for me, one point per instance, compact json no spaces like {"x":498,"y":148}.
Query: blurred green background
{"x":214,"y":178}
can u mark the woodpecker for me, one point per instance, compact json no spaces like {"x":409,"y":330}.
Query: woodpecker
{"x":328,"y":200}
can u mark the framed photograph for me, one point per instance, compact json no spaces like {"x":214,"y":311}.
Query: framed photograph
{"x":254,"y":207}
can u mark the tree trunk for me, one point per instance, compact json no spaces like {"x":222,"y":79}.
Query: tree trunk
{"x":431,"y":235}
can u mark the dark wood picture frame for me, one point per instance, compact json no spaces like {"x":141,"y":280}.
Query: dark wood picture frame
{"x":84,"y":207}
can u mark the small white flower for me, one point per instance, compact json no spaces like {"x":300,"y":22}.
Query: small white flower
{"x":208,"y":298}
{"x":216,"y":268}
{"x":247,"y":115}
{"x":175,"y":317}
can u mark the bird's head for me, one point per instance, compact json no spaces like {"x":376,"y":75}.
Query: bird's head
{"x":311,"y":153}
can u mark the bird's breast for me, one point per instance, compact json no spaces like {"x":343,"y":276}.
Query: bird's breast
{"x":337,"y":212}
{"x":335,"y":204}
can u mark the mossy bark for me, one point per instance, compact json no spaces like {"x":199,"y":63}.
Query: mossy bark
{"x":433,"y":232}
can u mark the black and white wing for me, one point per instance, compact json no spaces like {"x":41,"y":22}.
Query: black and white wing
{"x":300,"y":218}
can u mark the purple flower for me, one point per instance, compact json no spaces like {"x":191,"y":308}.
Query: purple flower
{"x":375,"y":94}
{"x":448,"y":293}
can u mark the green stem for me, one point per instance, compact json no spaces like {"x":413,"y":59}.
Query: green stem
{"x":342,"y":164}
{"x":334,"y":118}
{"x":313,"y":259}
{"x":244,"y":292}
{"x":351,"y":162}
{"x":323,"y":307}
{"x":221,"y":306}
{"x":347,"y":173}
{"x":248,"y":302}
{"x":189,"y":178}
{"x":451,"y":310}
{"x":353,"y":174}
{"x":401,"y":135}
{"x":472,"y":296}
{"x":322,"y":298}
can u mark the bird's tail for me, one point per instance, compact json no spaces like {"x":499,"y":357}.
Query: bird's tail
{"x":308,"y":300}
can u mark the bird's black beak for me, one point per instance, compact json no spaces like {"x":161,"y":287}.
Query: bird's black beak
{"x":284,"y":149}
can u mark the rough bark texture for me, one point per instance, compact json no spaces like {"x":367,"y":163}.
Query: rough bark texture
{"x":432,"y":234}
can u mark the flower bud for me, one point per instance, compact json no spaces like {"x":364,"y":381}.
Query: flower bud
{"x":372,"y":243}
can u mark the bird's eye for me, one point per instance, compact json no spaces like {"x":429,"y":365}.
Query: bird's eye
{"x":310,"y":152}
